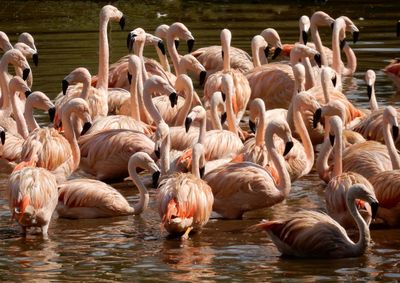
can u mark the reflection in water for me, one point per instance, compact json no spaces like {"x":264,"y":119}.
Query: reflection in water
{"x":133,"y":248}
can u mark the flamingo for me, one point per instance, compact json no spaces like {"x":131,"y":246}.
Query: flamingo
{"x":230,"y":183}
{"x":241,"y":86}
{"x":85,"y":198}
{"x":184,"y":200}
{"x":310,"y":234}
{"x":340,"y":182}
{"x":393,"y":72}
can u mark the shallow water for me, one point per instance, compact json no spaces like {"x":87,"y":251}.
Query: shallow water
{"x":134,"y":248}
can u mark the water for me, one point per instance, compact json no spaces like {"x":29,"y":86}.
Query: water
{"x":134,"y":248}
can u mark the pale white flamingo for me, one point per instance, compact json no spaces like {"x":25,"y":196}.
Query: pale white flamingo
{"x":310,"y":234}
{"x":32,"y":197}
{"x":85,"y":198}
{"x":241,"y":86}
{"x":230,"y":183}
{"x":184,"y":200}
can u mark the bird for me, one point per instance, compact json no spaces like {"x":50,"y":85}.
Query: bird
{"x":310,"y":234}
{"x":86,"y":198}
{"x":184,"y":200}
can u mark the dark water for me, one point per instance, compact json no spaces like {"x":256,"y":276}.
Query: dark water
{"x":134,"y":248}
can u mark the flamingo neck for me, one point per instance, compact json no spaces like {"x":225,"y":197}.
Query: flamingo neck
{"x":260,"y":132}
{"x":173,"y":52}
{"x":184,"y":111}
{"x":203,"y":130}
{"x":196,"y":166}
{"x":102,"y":77}
{"x":351,"y":65}
{"x":85,"y":89}
{"x":144,"y":198}
{"x":230,"y":115}
{"x":4,"y":80}
{"x":322,"y":160}
{"x":149,"y":105}
{"x":304,"y":136}
{"x":215,"y":121}
{"x":28,"y":115}
{"x":338,"y":165}
{"x":163,"y":60}
{"x":135,"y":111}
{"x":310,"y":79}
{"x":325,"y":89}
{"x":336,"y":59}
{"x":394,"y":157}
{"x":373,"y":104}
{"x":165,"y":149}
{"x":364,"y":234}
{"x":279,"y":163}
{"x":19,"y":116}
{"x":29,"y":80}
{"x":226,"y":48}
{"x":318,"y":43}
{"x":256,"y":54}
{"x":139,"y":47}
{"x":69,"y":134}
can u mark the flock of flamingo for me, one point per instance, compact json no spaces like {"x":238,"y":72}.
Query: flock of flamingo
{"x":136,"y":114}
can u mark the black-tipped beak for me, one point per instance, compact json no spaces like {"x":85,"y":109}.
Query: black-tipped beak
{"x":395,"y":132}
{"x":266,"y":51}
{"x":223,"y":118}
{"x":369,"y":91}
{"x":122,"y":23}
{"x":317,"y":58}
{"x":342,"y":44}
{"x":222,"y":54}
{"x":52,"y":113}
{"x":130,"y":40}
{"x":188,"y":122}
{"x":223,"y":96}
{"x":331,"y":139}
{"x":27,"y":93}
{"x":86,"y":128}
{"x":176,"y":42}
{"x":129,"y":78}
{"x":202,"y":170}
{"x":276,"y":52}
{"x":35,"y":59}
{"x":157,"y":152}
{"x":190,"y":44}
{"x":154,"y":178}
{"x":203,"y":75}
{"x":304,"y":34}
{"x":3,"y":137}
{"x":161,"y":46}
{"x":334,"y":81}
{"x":288,"y":147}
{"x":317,"y":117}
{"x":65,"y":85}
{"x":374,"y":209}
{"x":252,"y":126}
{"x":173,"y":98}
{"x":356,"y":35}
{"x":25,"y":73}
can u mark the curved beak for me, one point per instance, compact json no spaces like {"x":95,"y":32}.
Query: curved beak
{"x":317,"y":58}
{"x":52,"y":113}
{"x":122,"y":23}
{"x":129,"y":78}
{"x":332,"y":139}
{"x":188,"y":123}
{"x":266,"y":51}
{"x":65,"y":85}
{"x":356,"y":35}
{"x":25,"y":73}
{"x":252,"y":126}
{"x":176,"y":42}
{"x":304,"y":34}
{"x":202,"y":79}
{"x":317,"y":117}
{"x":223,"y":118}
{"x":288,"y":147}
{"x":3,"y":137}
{"x":276,"y":52}
{"x":161,"y":46}
{"x":173,"y":98}
{"x":27,"y":93}
{"x":35,"y":59}
{"x":395,"y":132}
{"x":374,"y":209}
{"x":86,"y":128}
{"x":154,"y":178}
{"x":190,"y":44}
{"x":130,"y":40}
{"x":369,"y":91}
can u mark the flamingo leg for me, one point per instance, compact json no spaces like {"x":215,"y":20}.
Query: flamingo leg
{"x":186,"y":235}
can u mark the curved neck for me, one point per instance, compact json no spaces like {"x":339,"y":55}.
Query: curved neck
{"x":279,"y":163}
{"x":28,"y":114}
{"x":135,"y":112}
{"x":394,"y":157}
{"x":351,"y":65}
{"x":4,"y":80}
{"x":173,"y":52}
{"x":163,"y":60}
{"x":373,"y":104}
{"x":322,"y":160}
{"x":144,"y":194}
{"x":260,"y":132}
{"x":337,"y":168}
{"x":29,"y":80}
{"x":310,"y":80}
{"x":184,"y":111}
{"x":336,"y":59}
{"x":85,"y":89}
{"x":227,"y":58}
{"x":19,"y":117}
{"x":203,"y":130}
{"x":69,"y":134}
{"x":139,"y":47}
{"x":304,"y":136}
{"x":165,"y":148}
{"x":102,"y":74}
{"x":318,"y":43}
{"x":152,"y":110}
{"x":364,"y":234}
{"x":230,"y":115}
{"x":325,"y":89}
{"x":215,"y":121}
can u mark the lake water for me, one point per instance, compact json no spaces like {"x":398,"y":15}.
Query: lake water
{"x":134,"y":248}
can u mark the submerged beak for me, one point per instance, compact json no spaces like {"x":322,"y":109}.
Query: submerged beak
{"x":395,"y":132}
{"x":317,"y":117}
{"x":374,"y":209}
{"x":317,"y":58}
{"x":356,"y":35}
{"x":288,"y":147}
{"x":252,"y":126}
{"x":154,"y":178}
{"x":332,"y":139}
{"x":3,"y":137}
{"x":203,"y":75}
{"x":188,"y":123}
{"x":161,"y":46}
{"x":173,"y":98}
{"x":304,"y":34}
{"x":122,"y":23}
{"x":52,"y":113}
{"x":190,"y":44}
{"x":25,"y":73}
{"x":35,"y":59}
{"x":65,"y":85}
{"x":276,"y":52}
{"x":85,"y":128}
{"x":369,"y":92}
